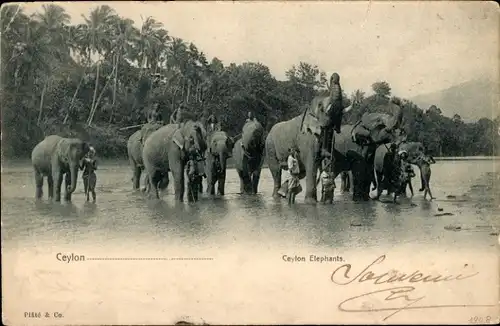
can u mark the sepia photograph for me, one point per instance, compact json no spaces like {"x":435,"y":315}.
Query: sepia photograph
{"x":250,"y":162}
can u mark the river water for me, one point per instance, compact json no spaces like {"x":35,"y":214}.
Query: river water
{"x":223,"y":260}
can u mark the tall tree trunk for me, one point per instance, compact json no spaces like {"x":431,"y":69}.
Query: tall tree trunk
{"x":117,"y":58}
{"x":41,"y":102}
{"x":74,"y":97}
{"x":188,"y":91}
{"x":95,"y":93}
{"x":91,"y":117}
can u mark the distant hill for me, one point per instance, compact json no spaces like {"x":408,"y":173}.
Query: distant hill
{"x":472,"y":100}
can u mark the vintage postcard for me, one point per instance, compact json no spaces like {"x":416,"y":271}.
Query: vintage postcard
{"x":267,"y":162}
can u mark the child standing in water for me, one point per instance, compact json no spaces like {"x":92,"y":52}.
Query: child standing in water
{"x":89,"y":165}
{"x":327,"y":182}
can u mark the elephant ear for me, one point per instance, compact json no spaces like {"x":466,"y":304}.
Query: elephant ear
{"x":178,"y":139}
{"x":311,"y":124}
{"x":311,"y":119}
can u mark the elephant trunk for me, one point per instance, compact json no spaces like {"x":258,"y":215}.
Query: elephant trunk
{"x":74,"y":175}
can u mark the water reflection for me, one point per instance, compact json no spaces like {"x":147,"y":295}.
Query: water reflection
{"x":124,"y":215}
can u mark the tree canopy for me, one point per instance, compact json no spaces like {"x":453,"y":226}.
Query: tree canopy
{"x":91,"y":79}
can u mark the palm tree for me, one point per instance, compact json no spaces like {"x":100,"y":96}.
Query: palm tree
{"x":52,"y":22}
{"x":125,"y":36}
{"x":150,"y":42}
{"x":95,"y":39}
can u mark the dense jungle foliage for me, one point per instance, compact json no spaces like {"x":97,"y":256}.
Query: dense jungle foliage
{"x":90,"y":80}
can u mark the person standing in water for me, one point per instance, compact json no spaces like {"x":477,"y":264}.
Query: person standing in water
{"x":292,"y":187}
{"x":425,"y":174}
{"x":327,"y":181}
{"x":89,"y":166}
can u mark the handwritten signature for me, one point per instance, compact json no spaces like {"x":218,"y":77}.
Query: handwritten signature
{"x":402,"y":296}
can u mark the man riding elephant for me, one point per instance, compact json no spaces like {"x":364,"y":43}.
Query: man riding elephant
{"x":136,"y":141}
{"x":177,"y":116}
{"x":312,"y":133}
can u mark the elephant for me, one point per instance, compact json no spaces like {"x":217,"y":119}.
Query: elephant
{"x":248,"y":153}
{"x":220,"y":148}
{"x":167,"y":149}
{"x":355,"y":146}
{"x":55,"y":157}
{"x":307,"y":132}
{"x":388,"y":171}
{"x":134,"y":150}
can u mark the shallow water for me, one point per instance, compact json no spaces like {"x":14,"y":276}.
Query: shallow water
{"x":235,"y":232}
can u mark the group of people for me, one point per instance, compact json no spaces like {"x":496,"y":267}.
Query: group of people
{"x":401,"y":171}
{"x":291,"y":187}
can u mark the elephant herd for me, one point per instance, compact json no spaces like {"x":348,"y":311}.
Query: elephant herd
{"x":158,"y":150}
{"x":167,"y":149}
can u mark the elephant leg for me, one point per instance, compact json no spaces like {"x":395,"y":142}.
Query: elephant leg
{"x":378,"y":185}
{"x":153,"y":183}
{"x":164,"y":181}
{"x":211,"y":189}
{"x":275,"y":168}
{"x":57,"y":177}
{"x":242,"y":181}
{"x":211,"y":181}
{"x":39,"y":185}
{"x":179,"y":185}
{"x":276,"y":174}
{"x":311,"y":190}
{"x":67,"y":186}
{"x":221,"y":183}
{"x":349,"y":181}
{"x":137,"y":177}
{"x":147,"y":184}
{"x":255,"y":181}
{"x":359,"y":182}
{"x":50,"y":183}
{"x":343,"y":182}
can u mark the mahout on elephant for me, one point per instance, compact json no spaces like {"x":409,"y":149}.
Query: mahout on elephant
{"x":135,"y":145}
{"x":219,"y":148}
{"x":307,"y":132}
{"x":166,"y":150}
{"x":56,"y":157}
{"x":248,"y":154}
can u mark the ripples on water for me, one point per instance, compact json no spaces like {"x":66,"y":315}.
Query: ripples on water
{"x":123,"y":216}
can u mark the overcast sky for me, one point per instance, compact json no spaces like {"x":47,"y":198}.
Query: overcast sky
{"x":418,"y":47}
